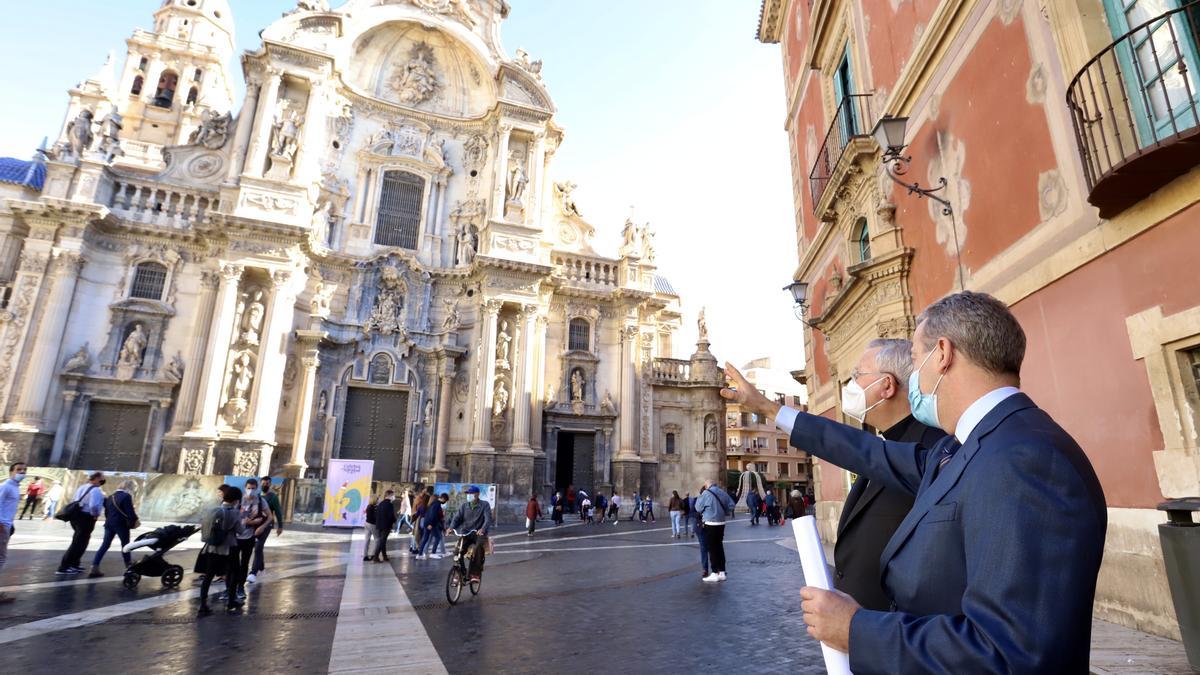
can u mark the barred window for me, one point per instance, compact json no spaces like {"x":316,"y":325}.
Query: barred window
{"x":399,"y":218}
{"x":580,"y":336}
{"x":148,"y":281}
{"x":670,"y":448}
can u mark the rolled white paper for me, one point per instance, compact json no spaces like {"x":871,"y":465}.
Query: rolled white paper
{"x":816,"y":574}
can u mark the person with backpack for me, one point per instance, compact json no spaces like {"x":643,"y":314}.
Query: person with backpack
{"x":714,"y":506}
{"x":256,"y":518}
{"x":81,"y":513}
{"x":119,"y":520}
{"x":219,"y":555}
{"x":601,"y":507}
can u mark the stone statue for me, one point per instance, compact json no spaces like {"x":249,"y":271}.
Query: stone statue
{"x":436,"y":152}
{"x":428,"y":413}
{"x":607,"y":406}
{"x":174,"y":369}
{"x":517,"y":180}
{"x":416,"y":81}
{"x":133,"y":347}
{"x":710,"y":433}
{"x":243,"y":375}
{"x":564,"y":189}
{"x":110,"y":137}
{"x":453,"y":320}
{"x":311,"y":6}
{"x":550,"y":396}
{"x":647,"y":243}
{"x":285,"y":134}
{"x":502,"y":343}
{"x":79,"y":132}
{"x":466,"y":245}
{"x":702,"y":325}
{"x":320,"y":220}
{"x":80,"y":362}
{"x":749,"y":481}
{"x":213,"y":131}
{"x":319,"y":305}
{"x":322,"y":402}
{"x":576,"y":386}
{"x":389,"y":303}
{"x":252,"y":323}
{"x":629,"y":234}
{"x":532,"y":67}
{"x":500,"y":404}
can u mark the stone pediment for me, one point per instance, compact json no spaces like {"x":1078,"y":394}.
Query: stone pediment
{"x":517,"y":86}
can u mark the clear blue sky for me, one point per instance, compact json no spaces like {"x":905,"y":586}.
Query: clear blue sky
{"x":670,"y":106}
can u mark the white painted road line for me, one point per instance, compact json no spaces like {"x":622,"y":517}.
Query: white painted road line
{"x":596,"y":549}
{"x":559,"y":540}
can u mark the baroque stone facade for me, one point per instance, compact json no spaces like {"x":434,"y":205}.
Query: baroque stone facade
{"x":371,"y":258}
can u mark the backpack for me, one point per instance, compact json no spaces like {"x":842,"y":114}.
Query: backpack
{"x":219,"y":533}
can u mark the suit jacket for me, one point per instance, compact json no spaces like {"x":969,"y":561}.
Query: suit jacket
{"x":869,"y":518}
{"x":118,"y":511}
{"x":385,"y":515}
{"x":994,"y":569}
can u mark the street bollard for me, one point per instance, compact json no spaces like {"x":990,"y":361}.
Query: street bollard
{"x":1180,"y":537}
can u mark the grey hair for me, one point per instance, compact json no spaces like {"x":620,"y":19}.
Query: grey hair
{"x":128,"y":486}
{"x":981,"y":326}
{"x":894,"y":357}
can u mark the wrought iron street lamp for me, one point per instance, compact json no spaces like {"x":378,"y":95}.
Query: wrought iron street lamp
{"x":799,"y":291}
{"x":889,"y":133}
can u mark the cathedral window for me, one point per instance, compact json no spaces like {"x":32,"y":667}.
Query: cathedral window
{"x":138,"y":83}
{"x":399,"y":217}
{"x":164,"y":95}
{"x":669,"y":447}
{"x":580,"y":335}
{"x":149,"y":280}
{"x":193,"y":95}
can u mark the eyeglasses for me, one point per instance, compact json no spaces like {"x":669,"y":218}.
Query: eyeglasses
{"x":856,"y":373}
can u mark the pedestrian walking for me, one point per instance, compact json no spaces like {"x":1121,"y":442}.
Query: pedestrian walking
{"x":754,"y":505}
{"x":614,"y":507}
{"x":556,"y":508}
{"x":533,"y":511}
{"x":385,"y":520}
{"x":580,"y":498}
{"x":420,"y":505}
{"x":772,"y":509}
{"x":601,"y":508}
{"x":675,"y":509}
{"x":219,"y":555}
{"x":369,"y":528}
{"x":82,"y":513}
{"x":406,"y":511}
{"x":686,"y":514}
{"x":33,"y":495}
{"x":53,"y":497}
{"x":637,"y":508}
{"x":10,"y":497}
{"x":443,"y":498}
{"x":434,"y":526}
{"x":119,"y":520}
{"x":648,"y":509}
{"x":256,"y":518}
{"x":698,"y":532}
{"x":714,"y":506}
{"x":570,"y":498}
{"x":260,"y":542}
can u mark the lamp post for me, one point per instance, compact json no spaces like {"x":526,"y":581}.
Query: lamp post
{"x":799,"y":291}
{"x":889,"y":133}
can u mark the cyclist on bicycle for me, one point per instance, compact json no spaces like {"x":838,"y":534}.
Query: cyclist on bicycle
{"x":475,"y":515}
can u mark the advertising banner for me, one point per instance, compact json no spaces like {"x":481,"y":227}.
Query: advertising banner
{"x":458,"y":495}
{"x":346,"y":492}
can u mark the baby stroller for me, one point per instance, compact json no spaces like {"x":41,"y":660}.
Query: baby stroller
{"x":153,"y":564}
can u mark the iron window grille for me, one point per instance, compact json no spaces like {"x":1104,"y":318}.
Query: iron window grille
{"x":149,"y":280}
{"x":399,"y":218}
{"x":580,"y":335}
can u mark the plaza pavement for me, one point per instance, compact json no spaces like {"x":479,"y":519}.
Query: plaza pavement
{"x":575,"y":598}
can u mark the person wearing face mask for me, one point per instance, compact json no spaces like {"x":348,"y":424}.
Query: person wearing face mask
{"x":90,"y":500}
{"x":474,"y":514}
{"x":994,"y":568}
{"x":876,"y":394}
{"x":10,"y":497}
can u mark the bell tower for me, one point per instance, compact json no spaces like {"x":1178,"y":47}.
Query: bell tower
{"x":172,"y":75}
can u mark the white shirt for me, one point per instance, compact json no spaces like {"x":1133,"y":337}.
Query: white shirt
{"x":786,"y":419}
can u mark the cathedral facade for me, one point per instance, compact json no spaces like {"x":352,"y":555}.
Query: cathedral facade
{"x":370,"y":258}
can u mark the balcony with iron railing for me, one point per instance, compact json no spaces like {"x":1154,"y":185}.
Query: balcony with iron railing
{"x":1134,"y":108}
{"x":851,"y":122}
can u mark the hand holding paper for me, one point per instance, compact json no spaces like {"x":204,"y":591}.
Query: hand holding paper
{"x":826,"y":611}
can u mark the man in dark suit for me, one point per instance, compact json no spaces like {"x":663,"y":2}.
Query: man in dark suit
{"x":994,"y":569}
{"x":876,"y":395}
{"x":385,"y":520}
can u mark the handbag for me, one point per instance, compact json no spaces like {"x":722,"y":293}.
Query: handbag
{"x":72,"y":510}
{"x":134,"y":523}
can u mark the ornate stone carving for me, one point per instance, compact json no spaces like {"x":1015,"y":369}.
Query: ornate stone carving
{"x":252,"y":311}
{"x":647,"y":243}
{"x":629,"y":238}
{"x":385,"y":317}
{"x":500,"y":399}
{"x":532,"y":67}
{"x":310,"y":6}
{"x":577,"y":385}
{"x":174,"y":369}
{"x":245,"y":462}
{"x":290,"y":371}
{"x":133,"y":348}
{"x":241,"y":378}
{"x":415,"y":81}
{"x":285,"y":139}
{"x":607,"y":406}
{"x":79,"y":133}
{"x":213,"y":131}
{"x":80,"y":362}
{"x":460,"y":9}
{"x":514,"y":189}
{"x":427,"y":420}
{"x":566,"y":202}
{"x":475,"y":152}
{"x":503,"y":341}
{"x":710,"y":432}
{"x":193,"y":461}
{"x":109,"y":146}
{"x":452,"y":320}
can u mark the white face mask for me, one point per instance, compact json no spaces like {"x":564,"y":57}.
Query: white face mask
{"x":854,"y":400}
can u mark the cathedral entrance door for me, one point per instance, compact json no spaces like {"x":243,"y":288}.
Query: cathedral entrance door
{"x":114,"y":437}
{"x":574,"y":461}
{"x":373,"y":428}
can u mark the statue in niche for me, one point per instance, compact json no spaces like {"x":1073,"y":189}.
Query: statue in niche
{"x":607,"y":406}
{"x":243,"y":375}
{"x":428,"y":413}
{"x":500,"y":402}
{"x":452,"y":318}
{"x":80,"y":362}
{"x":576,"y":387}
{"x":79,"y":132}
{"x":564,"y":189}
{"x":320,"y":220}
{"x":389,"y":303}
{"x":710,"y":433}
{"x":647,"y":243}
{"x":415,"y":81}
{"x":702,"y":325}
{"x":319,"y":305}
{"x":285,"y":134}
{"x":517,"y":180}
{"x":174,"y":369}
{"x":322,"y":402}
{"x":253,"y":318}
{"x":502,"y":343}
{"x":550,"y":396}
{"x":133,"y":347}
{"x":213,"y":130}
{"x":466,"y":244}
{"x":110,"y":137}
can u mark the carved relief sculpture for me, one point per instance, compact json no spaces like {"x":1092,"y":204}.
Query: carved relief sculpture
{"x":389,"y":303}
{"x":241,"y":378}
{"x":502,"y":343}
{"x":428,"y":419}
{"x":174,"y":369}
{"x":452,"y":318}
{"x":79,"y":132}
{"x":415,"y":81}
{"x":475,"y":152}
{"x":253,"y":318}
{"x":213,"y":131}
{"x":466,"y":245}
{"x":80,"y":362}
{"x":500,"y":400}
{"x":285,"y":139}
{"x":607,"y":406}
{"x":564,"y":190}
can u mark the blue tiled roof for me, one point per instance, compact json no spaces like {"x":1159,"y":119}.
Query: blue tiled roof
{"x":661,"y":285}
{"x":25,"y":172}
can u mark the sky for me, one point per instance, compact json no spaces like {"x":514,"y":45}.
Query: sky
{"x":671,"y":108}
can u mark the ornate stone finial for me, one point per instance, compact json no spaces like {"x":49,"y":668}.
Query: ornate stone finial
{"x":702,"y":326}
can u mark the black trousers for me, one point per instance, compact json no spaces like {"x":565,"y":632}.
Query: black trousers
{"x":714,"y":541}
{"x":475,"y":553}
{"x":83,"y":526}
{"x":260,"y":562}
{"x":381,"y":547}
{"x":245,"y":549}
{"x":31,"y":504}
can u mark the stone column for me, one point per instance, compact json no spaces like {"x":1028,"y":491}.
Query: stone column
{"x":313,"y":133}
{"x":185,"y":406}
{"x":445,"y":403}
{"x":272,"y":358}
{"x":629,"y":394}
{"x":43,"y":358}
{"x":523,"y":399}
{"x":539,"y":165}
{"x":308,"y":345}
{"x":256,"y":159}
{"x":204,"y":421}
{"x":501,"y":172}
{"x":538,"y":380}
{"x":60,"y":434}
{"x":245,"y":125}
{"x":489,"y":314}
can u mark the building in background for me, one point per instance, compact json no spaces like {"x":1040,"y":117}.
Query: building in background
{"x":1070,"y":173}
{"x":753,"y":440}
{"x":370,"y":257}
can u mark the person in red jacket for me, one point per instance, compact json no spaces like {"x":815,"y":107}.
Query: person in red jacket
{"x":33,"y":495}
{"x":533,"y":511}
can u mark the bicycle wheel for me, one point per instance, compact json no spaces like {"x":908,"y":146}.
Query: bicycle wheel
{"x":454,"y":585}
{"x":475,"y":584}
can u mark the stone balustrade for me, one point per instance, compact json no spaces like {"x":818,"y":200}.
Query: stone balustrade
{"x":586,"y":271}
{"x":158,"y":204}
{"x":671,"y":370}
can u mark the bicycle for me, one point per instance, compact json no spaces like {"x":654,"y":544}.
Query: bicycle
{"x":459,"y":572}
